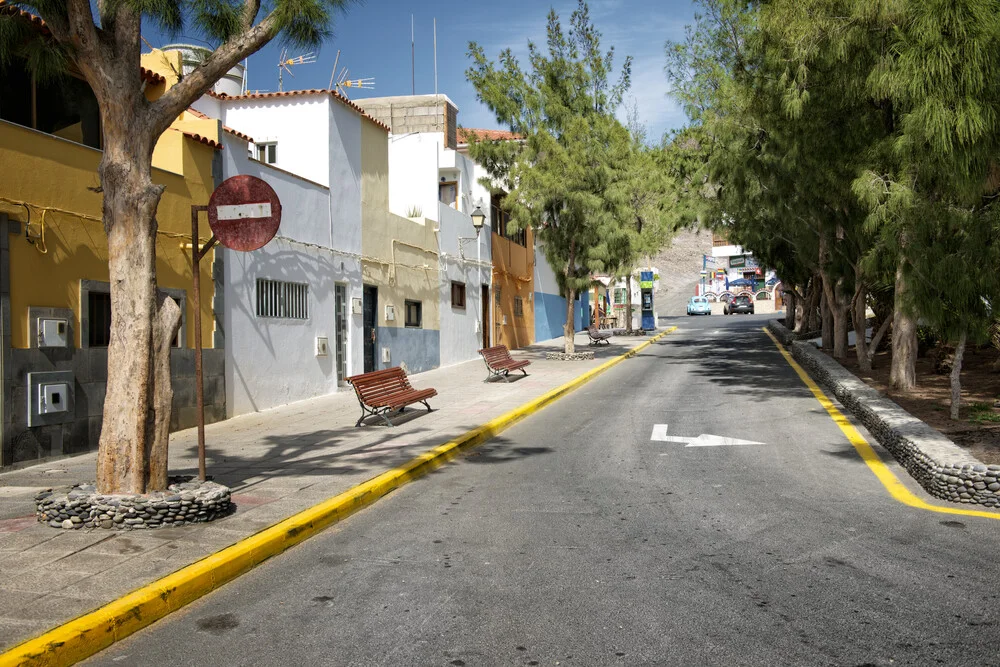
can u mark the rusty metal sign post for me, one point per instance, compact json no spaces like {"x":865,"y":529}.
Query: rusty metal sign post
{"x":244,"y":214}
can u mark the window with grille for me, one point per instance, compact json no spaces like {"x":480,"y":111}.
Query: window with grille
{"x":518,"y":306}
{"x":284,"y":300}
{"x":458,"y":295}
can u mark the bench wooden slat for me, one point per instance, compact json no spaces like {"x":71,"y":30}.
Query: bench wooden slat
{"x":387,"y":390}
{"x":500,"y":363}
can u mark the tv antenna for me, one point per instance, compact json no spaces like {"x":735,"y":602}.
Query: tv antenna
{"x":285,"y":64}
{"x":341,"y":81}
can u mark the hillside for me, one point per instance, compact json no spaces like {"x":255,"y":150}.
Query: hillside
{"x":680,"y":270}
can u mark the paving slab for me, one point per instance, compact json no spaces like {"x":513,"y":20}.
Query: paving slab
{"x":277,"y":462}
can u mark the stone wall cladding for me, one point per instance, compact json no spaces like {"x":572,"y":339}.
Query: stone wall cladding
{"x":941,"y":467}
{"x":185,"y":501}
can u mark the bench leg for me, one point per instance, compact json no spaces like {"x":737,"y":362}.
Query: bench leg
{"x":427,"y":405}
{"x":525,"y":372}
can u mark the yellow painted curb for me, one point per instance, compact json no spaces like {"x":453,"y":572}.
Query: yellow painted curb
{"x":93,"y":632}
{"x":868,"y":455}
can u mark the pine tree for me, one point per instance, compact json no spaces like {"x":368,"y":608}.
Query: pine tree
{"x":560,"y":177}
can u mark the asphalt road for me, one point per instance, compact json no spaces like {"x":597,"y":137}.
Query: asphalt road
{"x":573,"y":539}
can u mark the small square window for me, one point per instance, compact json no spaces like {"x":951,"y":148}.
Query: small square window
{"x":458,"y":295}
{"x":414,"y":316}
{"x":267,"y":152}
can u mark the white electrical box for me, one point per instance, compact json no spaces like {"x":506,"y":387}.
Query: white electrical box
{"x":390,"y":313}
{"x":322,"y":346}
{"x":357,"y":306}
{"x":505,"y":320}
{"x":53,"y":332}
{"x":53,"y":397}
{"x":385,"y":355}
{"x":50,"y":398}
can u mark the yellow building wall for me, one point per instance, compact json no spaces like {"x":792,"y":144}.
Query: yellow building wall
{"x":57,"y":179}
{"x":513,"y":276}
{"x":400,"y":254}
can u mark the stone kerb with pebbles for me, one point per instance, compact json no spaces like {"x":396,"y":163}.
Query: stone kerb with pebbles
{"x":941,"y":467}
{"x":575,"y":356}
{"x":185,"y":501}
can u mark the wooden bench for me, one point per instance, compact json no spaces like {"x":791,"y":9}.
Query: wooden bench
{"x":500,"y":364}
{"x":598,"y":336}
{"x":386,"y":391}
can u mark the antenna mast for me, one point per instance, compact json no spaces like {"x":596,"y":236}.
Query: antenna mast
{"x":285,"y":65}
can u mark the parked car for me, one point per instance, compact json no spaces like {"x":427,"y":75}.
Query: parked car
{"x":739,"y":304}
{"x":699,"y":305}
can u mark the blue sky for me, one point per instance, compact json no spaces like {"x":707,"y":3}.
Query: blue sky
{"x":374,"y":40}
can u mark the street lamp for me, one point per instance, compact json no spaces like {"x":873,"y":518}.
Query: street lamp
{"x":478,"y":220}
{"x":478,"y":217}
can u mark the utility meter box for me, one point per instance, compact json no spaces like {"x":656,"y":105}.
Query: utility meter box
{"x":51,"y":398}
{"x":53,"y":332}
{"x":322,"y":346}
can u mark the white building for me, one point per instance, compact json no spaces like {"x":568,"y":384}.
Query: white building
{"x":430,"y":179}
{"x":291,"y":321}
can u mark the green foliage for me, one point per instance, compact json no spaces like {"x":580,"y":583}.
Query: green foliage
{"x":872,"y":127}
{"x":563,"y":178}
{"x":982,"y":413}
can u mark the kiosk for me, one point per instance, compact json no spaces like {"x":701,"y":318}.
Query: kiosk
{"x":646,"y":286}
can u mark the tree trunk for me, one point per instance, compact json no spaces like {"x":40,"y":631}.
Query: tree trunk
{"x":569,"y":333}
{"x":861,"y":323}
{"x":628,"y":303}
{"x":790,"y":310}
{"x":956,"y":371}
{"x":903,"y":371}
{"x":826,"y":314}
{"x":134,"y":433}
{"x":812,"y":318}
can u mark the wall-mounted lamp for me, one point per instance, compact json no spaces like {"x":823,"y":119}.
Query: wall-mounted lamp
{"x":478,"y":217}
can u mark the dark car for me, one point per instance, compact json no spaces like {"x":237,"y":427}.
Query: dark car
{"x":739,"y":304}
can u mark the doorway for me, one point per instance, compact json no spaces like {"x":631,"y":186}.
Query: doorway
{"x":486,"y":316}
{"x":340,"y":342}
{"x":369,"y":331}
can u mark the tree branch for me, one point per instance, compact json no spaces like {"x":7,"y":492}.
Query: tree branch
{"x":81,"y":30}
{"x":178,"y":98}
{"x":250,"y":9}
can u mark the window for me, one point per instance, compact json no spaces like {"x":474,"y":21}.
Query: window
{"x":279,"y":299}
{"x":501,"y":222}
{"x":413,"y":314}
{"x":518,"y":306}
{"x":99,"y":316}
{"x":448,"y":193}
{"x":497,"y":291}
{"x":64,"y":107}
{"x":267,"y":152}
{"x":458,"y":295}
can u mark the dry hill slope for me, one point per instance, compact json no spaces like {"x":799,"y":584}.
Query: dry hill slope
{"x":680,"y":270}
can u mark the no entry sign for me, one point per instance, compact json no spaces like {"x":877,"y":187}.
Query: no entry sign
{"x":244,"y":213}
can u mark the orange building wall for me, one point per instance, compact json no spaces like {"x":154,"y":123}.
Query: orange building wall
{"x":513,"y":276}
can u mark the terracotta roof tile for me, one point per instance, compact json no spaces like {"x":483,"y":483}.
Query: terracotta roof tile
{"x":294,"y":93}
{"x":235,"y":133}
{"x":150,"y":76}
{"x":200,"y":139}
{"x":487,"y":135}
{"x":6,"y":9}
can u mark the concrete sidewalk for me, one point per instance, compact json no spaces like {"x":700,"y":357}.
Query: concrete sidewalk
{"x":277,"y":462}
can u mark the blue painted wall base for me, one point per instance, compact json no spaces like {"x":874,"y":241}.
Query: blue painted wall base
{"x":419,"y":349}
{"x":550,"y":314}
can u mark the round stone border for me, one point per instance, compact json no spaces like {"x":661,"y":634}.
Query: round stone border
{"x":576,"y":356}
{"x":185,"y":501}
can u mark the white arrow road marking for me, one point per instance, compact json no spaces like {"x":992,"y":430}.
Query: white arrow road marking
{"x":706,"y":440}
{"x":241,"y":211}
{"x":703,"y":440}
